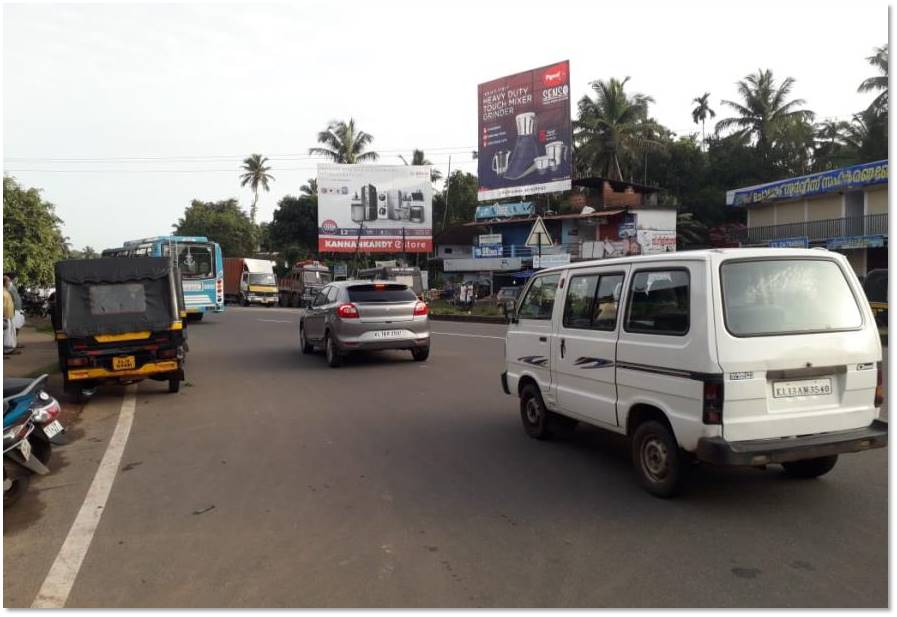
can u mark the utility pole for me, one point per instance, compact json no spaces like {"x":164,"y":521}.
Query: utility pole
{"x":448,"y":179}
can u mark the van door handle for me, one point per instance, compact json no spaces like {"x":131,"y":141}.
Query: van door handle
{"x":543,"y":339}
{"x":563,"y":347}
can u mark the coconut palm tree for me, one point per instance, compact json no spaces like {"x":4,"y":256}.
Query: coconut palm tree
{"x":310,"y":189}
{"x":418,"y":158}
{"x":701,"y":112}
{"x":879,"y":60}
{"x":764,"y":111}
{"x":255,"y":175}
{"x":831,"y":139}
{"x":611,"y":127}
{"x":343,"y":142}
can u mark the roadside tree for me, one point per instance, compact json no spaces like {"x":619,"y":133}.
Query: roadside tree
{"x":222,"y":221}
{"x":32,"y":238}
{"x":343,"y":142}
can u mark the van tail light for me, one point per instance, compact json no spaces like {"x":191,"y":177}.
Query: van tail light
{"x":879,"y":388}
{"x":421,"y":309}
{"x":713,"y":402}
{"x":347,"y":311}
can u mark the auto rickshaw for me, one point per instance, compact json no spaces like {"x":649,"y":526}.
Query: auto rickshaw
{"x":120,"y":321}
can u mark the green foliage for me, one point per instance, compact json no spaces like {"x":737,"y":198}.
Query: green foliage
{"x":418,"y":158}
{"x":878,"y":83}
{"x":343,"y":142}
{"x":222,"y":221}
{"x":255,"y":174}
{"x":294,"y":229}
{"x":32,"y":239}
{"x":462,"y":200}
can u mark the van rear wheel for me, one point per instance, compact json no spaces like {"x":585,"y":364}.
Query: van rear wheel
{"x":658,"y":462}
{"x":811,"y":467}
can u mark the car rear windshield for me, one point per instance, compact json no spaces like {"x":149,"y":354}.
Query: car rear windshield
{"x":381,"y":292}
{"x":787,"y":296}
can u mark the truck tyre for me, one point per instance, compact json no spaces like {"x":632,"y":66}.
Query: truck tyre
{"x":658,"y":462}
{"x":334,"y":359}
{"x":304,"y":345}
{"x":244,"y":300}
{"x":811,"y":467}
{"x":533,"y":413}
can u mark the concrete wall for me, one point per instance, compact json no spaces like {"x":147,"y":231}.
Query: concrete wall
{"x":826,"y":207}
{"x":659,"y":218}
{"x":458,"y":251}
{"x":761,"y":216}
{"x":792,"y":212}
{"x":877,"y":201}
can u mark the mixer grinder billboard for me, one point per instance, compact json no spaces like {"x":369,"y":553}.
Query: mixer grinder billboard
{"x":376,"y":208}
{"x":525,"y":133}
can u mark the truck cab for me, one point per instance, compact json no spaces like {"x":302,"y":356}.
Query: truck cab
{"x":302,"y":284}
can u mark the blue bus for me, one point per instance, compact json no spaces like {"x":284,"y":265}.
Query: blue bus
{"x":199,"y":261}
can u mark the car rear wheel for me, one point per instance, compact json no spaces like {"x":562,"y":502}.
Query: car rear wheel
{"x":334,"y":359}
{"x":811,"y":467}
{"x":658,"y":462}
{"x":421,"y":354}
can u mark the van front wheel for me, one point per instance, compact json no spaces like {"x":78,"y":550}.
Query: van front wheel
{"x":657,"y":460}
{"x":533,"y":413}
{"x":811,"y":467}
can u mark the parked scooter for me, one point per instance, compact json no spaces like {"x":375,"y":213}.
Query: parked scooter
{"x":30,"y":425}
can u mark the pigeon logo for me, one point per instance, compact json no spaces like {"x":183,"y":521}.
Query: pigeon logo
{"x":329,"y":226}
{"x":554,"y":76}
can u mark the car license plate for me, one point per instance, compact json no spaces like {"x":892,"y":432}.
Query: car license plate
{"x":387,"y":333}
{"x":25,"y":449}
{"x":52,"y":429}
{"x":123,"y":363}
{"x":805,"y":387}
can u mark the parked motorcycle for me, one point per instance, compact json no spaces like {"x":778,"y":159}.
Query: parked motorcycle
{"x":35,"y":303}
{"x":30,"y":426}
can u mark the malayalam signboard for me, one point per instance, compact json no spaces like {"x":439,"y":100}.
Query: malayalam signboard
{"x":375,"y":208}
{"x":525,"y":137}
{"x":836,"y":180}
{"x":855,"y":242}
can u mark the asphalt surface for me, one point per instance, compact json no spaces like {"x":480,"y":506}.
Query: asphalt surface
{"x":272,"y":480}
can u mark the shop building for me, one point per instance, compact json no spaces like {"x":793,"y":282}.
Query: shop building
{"x":844,"y":210}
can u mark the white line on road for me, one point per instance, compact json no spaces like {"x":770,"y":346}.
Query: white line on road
{"x":276,"y":320}
{"x":500,"y":338}
{"x":54,"y":591}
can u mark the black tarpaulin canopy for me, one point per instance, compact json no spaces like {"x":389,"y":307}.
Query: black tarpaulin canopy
{"x":115,"y":295}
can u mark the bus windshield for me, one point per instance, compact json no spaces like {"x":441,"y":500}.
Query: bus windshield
{"x":195,"y":261}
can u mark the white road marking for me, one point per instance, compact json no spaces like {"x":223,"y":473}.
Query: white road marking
{"x":54,"y":591}
{"x":500,"y":338}
{"x":277,"y":321}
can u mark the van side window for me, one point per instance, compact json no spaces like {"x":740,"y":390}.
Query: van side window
{"x":592,"y":301}
{"x":539,"y":300}
{"x":659,"y":303}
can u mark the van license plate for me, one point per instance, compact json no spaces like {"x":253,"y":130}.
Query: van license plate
{"x":387,"y":333}
{"x":805,"y":387}
{"x":123,"y":363}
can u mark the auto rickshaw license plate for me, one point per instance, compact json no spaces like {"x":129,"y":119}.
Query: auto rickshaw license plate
{"x":123,"y":363}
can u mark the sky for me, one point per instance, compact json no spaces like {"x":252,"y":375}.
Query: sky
{"x":124,"y":113}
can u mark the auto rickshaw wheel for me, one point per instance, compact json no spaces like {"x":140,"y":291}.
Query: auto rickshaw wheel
{"x":174,"y":385}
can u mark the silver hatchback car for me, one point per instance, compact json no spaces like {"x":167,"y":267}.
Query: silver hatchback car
{"x":349,"y":316}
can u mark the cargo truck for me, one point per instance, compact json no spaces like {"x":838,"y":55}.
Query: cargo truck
{"x":250,"y":281}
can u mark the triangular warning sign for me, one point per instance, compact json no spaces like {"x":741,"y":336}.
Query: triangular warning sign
{"x":538,"y":235}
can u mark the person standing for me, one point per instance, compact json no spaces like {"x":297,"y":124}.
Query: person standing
{"x":18,"y":318}
{"x":9,"y":330}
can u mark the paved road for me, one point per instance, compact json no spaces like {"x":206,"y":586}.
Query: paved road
{"x":272,"y":480}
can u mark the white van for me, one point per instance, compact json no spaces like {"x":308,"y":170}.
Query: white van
{"x":726,"y":356}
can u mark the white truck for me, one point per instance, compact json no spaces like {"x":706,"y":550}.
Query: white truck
{"x":250,"y":281}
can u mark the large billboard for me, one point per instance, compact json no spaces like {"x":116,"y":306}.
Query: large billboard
{"x":375,"y":208}
{"x":525,"y":137}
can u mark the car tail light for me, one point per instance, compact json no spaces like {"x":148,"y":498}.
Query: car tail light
{"x":347,"y":311}
{"x":421,"y":309}
{"x":77,"y":361}
{"x":879,"y":388}
{"x":167,"y":353}
{"x":713,"y":402}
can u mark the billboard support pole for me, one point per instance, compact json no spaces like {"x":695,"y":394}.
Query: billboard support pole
{"x":357,"y":248}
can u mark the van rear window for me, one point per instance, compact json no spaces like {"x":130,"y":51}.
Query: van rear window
{"x":381,"y":292}
{"x":787,"y":296}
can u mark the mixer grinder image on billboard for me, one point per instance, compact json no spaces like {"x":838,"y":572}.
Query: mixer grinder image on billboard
{"x":525,"y":135}
{"x":376,"y":208}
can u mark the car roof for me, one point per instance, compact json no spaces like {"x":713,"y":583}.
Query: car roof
{"x":716,"y":255}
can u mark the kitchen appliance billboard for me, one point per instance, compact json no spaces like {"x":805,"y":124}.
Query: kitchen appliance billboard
{"x":375,"y":208}
{"x":525,"y":135}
